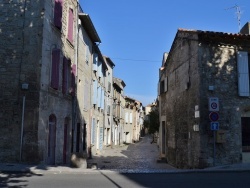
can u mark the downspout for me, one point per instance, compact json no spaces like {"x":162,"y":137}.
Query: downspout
{"x":20,"y":70}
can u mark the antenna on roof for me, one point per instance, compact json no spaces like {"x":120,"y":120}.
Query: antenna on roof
{"x":238,"y":12}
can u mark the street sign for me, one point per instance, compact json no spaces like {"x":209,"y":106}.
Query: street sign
{"x":214,"y":126}
{"x":213,"y":104}
{"x":214,"y":116}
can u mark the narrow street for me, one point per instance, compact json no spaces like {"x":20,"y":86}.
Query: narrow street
{"x":140,"y":156}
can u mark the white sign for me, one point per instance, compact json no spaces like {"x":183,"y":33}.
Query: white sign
{"x":213,"y":104}
{"x":214,"y":126}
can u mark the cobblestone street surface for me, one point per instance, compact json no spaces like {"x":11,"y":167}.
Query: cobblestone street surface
{"x":140,"y":156}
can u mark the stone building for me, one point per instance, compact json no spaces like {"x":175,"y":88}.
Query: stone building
{"x":98,"y":99}
{"x":204,"y":82}
{"x":108,"y":118}
{"x":134,"y":118}
{"x":38,"y":69}
{"x":87,"y":69}
{"x":118,"y":113}
{"x":47,"y":107}
{"x":129,"y":112}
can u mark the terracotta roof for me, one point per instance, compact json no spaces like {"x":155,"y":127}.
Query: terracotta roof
{"x":215,"y":33}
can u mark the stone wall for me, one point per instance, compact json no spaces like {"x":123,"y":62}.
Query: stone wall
{"x":219,"y":69}
{"x":194,"y":64}
{"x":20,"y":56}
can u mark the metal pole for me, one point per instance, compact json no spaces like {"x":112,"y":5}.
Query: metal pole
{"x":214,"y":149}
{"x":21,"y":141}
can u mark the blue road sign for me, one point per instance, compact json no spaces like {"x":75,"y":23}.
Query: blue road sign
{"x":214,"y":116}
{"x":214,"y":126}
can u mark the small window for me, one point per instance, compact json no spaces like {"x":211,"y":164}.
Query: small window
{"x":162,"y":84}
{"x":58,"y":13}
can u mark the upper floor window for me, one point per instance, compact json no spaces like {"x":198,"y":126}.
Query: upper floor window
{"x":58,"y":13}
{"x":71,"y":26}
{"x":66,"y":75}
{"x":243,"y":73}
{"x":163,"y":87}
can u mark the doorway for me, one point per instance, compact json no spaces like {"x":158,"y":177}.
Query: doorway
{"x":163,"y":141}
{"x":52,"y":139}
{"x":245,"y":130}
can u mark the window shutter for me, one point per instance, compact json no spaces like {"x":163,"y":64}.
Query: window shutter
{"x":130,"y":118}
{"x":73,"y":74}
{"x":94,"y":96}
{"x":126,"y":117}
{"x":102,"y":98}
{"x":65,"y":75}
{"x":95,"y":62}
{"x":165,"y":84}
{"x":243,"y":74}
{"x":99,"y":96}
{"x":70,"y":25}
{"x":55,"y":69}
{"x":58,"y":13}
{"x":108,"y":110}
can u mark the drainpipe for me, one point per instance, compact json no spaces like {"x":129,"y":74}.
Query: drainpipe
{"x":24,"y":87}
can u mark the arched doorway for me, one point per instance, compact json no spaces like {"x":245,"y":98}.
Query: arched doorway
{"x":52,"y":139}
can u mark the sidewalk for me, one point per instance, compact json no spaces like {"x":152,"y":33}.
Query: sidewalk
{"x":22,"y":168}
{"x":140,"y":157}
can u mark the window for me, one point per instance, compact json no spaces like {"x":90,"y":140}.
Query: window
{"x":95,"y":62}
{"x":130,"y":118}
{"x":108,"y":110}
{"x":243,"y":73}
{"x":55,"y":69}
{"x":73,"y":77}
{"x":126,"y":117}
{"x":94,"y":96}
{"x":70,"y":25}
{"x":163,"y":86}
{"x":58,"y":13}
{"x":66,"y":75}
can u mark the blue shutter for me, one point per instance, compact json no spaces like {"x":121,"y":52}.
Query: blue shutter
{"x":94,"y":96}
{"x":99,"y":96}
{"x":95,"y":62}
{"x":243,"y":74}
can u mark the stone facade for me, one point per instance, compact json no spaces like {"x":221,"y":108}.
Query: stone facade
{"x":56,"y":85}
{"x":201,"y":65}
{"x":108,"y":118}
{"x":118,"y":112}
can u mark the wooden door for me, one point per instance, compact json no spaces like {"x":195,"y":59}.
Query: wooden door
{"x":52,"y":140}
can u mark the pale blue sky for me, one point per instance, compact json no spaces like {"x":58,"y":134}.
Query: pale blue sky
{"x":136,"y":33}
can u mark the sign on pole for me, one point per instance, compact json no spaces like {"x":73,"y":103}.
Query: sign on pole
{"x":213,"y":116}
{"x":213,"y":104}
{"x":214,"y":126}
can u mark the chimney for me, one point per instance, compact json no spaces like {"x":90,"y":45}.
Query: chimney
{"x":245,"y":29}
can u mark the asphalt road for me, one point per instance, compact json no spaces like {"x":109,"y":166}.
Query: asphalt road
{"x":102,"y":179}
